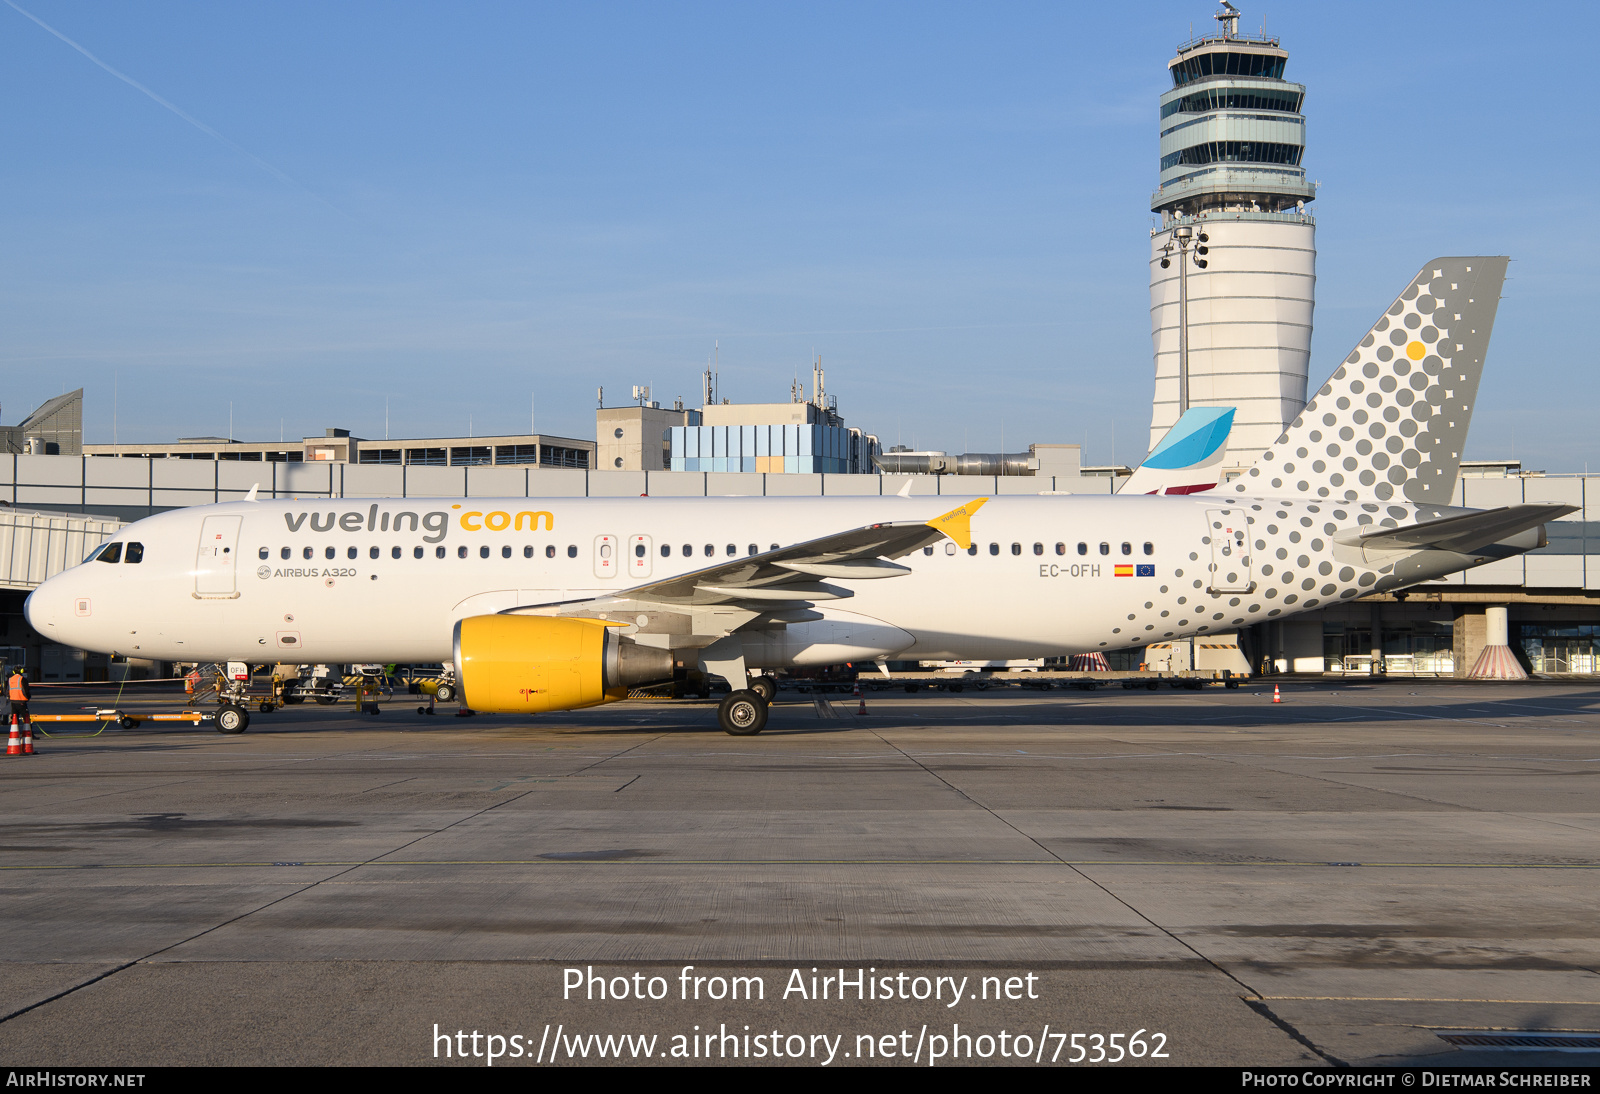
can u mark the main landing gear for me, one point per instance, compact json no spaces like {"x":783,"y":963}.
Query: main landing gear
{"x":766,"y":687}
{"x":743,"y":713}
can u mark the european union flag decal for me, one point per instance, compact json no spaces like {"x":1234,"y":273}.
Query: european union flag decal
{"x":1146,"y":571}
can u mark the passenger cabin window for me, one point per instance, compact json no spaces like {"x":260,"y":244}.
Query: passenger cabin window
{"x":135,"y":553}
{"x":1016,"y":548}
{"x":112,"y":553}
{"x":994,"y":548}
{"x":754,"y":549}
{"x":732,"y":550}
{"x":572,"y":550}
{"x":461,"y":552}
{"x":927,"y":551}
{"x":416,"y":552}
{"x":483,"y":552}
{"x":1061,"y":548}
{"x":550,"y":551}
{"x":774,"y":547}
{"x":285,"y":553}
{"x":306,"y":553}
{"x":1038,"y":548}
{"x":1083,"y":548}
{"x":1127,"y":548}
{"x":263,"y":554}
{"x":1105,"y":548}
{"x":350,"y":552}
{"x":505,"y":552}
{"x":710,"y":550}
{"x":666,"y":550}
{"x":638,"y":550}
{"x":329,"y":553}
{"x":438,"y":552}
{"x":687,"y":550}
{"x":527,"y":552}
{"x":394,"y":552}
{"x":372,"y":552}
{"x":1149,"y":548}
{"x":949,"y":548}
{"x":972,"y":550}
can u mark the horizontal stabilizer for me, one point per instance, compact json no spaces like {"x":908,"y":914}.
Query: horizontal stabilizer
{"x":1462,"y":534}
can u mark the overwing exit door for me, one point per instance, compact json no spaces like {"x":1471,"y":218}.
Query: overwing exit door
{"x":216,"y":562}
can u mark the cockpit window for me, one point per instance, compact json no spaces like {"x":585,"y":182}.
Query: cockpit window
{"x":92,"y":555}
{"x":135,"y":553}
{"x":111,"y":553}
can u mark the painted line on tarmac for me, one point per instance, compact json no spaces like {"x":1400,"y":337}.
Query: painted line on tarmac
{"x":1209,"y":864}
{"x":1424,"y":999}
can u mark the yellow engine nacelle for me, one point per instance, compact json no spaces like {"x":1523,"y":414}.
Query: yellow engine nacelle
{"x":527,"y":664}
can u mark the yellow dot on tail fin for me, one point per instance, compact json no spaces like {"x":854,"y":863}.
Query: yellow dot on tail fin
{"x":1416,"y":351}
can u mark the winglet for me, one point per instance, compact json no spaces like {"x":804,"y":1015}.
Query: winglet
{"x":957,"y":523}
{"x":251,"y":496}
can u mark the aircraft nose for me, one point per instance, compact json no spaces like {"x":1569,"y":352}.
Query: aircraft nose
{"x":49,"y":610}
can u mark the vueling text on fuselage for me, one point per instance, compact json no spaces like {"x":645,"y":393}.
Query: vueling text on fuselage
{"x":436,"y":523}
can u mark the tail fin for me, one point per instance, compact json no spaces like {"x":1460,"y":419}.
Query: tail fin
{"x":1393,"y":418}
{"x":1189,"y":458}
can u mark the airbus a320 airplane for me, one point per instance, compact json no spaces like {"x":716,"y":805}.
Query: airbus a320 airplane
{"x":558,"y":604}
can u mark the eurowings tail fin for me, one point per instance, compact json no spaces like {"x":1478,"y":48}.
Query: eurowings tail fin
{"x":1391,"y":421}
{"x":1189,"y":458}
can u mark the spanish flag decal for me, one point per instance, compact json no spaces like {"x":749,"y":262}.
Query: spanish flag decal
{"x":1124,"y":571}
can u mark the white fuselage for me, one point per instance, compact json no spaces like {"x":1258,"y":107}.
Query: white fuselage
{"x":311,"y":581}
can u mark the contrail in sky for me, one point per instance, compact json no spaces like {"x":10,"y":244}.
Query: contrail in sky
{"x":190,"y":118}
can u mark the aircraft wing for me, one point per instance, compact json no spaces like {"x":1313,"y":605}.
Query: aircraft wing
{"x":768,"y":589}
{"x":792,"y":573}
{"x":1462,"y":534}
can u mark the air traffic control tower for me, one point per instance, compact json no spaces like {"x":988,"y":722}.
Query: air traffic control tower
{"x":1236,"y":249}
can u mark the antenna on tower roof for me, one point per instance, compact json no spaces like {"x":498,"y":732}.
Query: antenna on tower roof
{"x":1229,"y":18}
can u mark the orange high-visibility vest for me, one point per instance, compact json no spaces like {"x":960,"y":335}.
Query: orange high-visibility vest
{"x":19,"y":689}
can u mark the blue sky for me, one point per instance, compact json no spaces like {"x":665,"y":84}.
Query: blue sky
{"x":460,"y":208}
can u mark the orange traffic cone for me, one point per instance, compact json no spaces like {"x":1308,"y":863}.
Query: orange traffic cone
{"x":14,"y":745}
{"x":27,"y":737}
{"x":862,"y":696}
{"x":1276,"y":698}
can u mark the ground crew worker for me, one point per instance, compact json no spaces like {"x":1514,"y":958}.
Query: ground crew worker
{"x":18,"y":692}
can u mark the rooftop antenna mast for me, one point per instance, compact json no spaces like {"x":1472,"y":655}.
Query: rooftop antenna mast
{"x":1229,"y":18}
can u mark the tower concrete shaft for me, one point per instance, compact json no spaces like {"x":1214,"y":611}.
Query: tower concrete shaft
{"x":1232,"y":143}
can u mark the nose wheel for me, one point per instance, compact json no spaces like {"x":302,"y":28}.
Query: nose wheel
{"x":742,"y":714}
